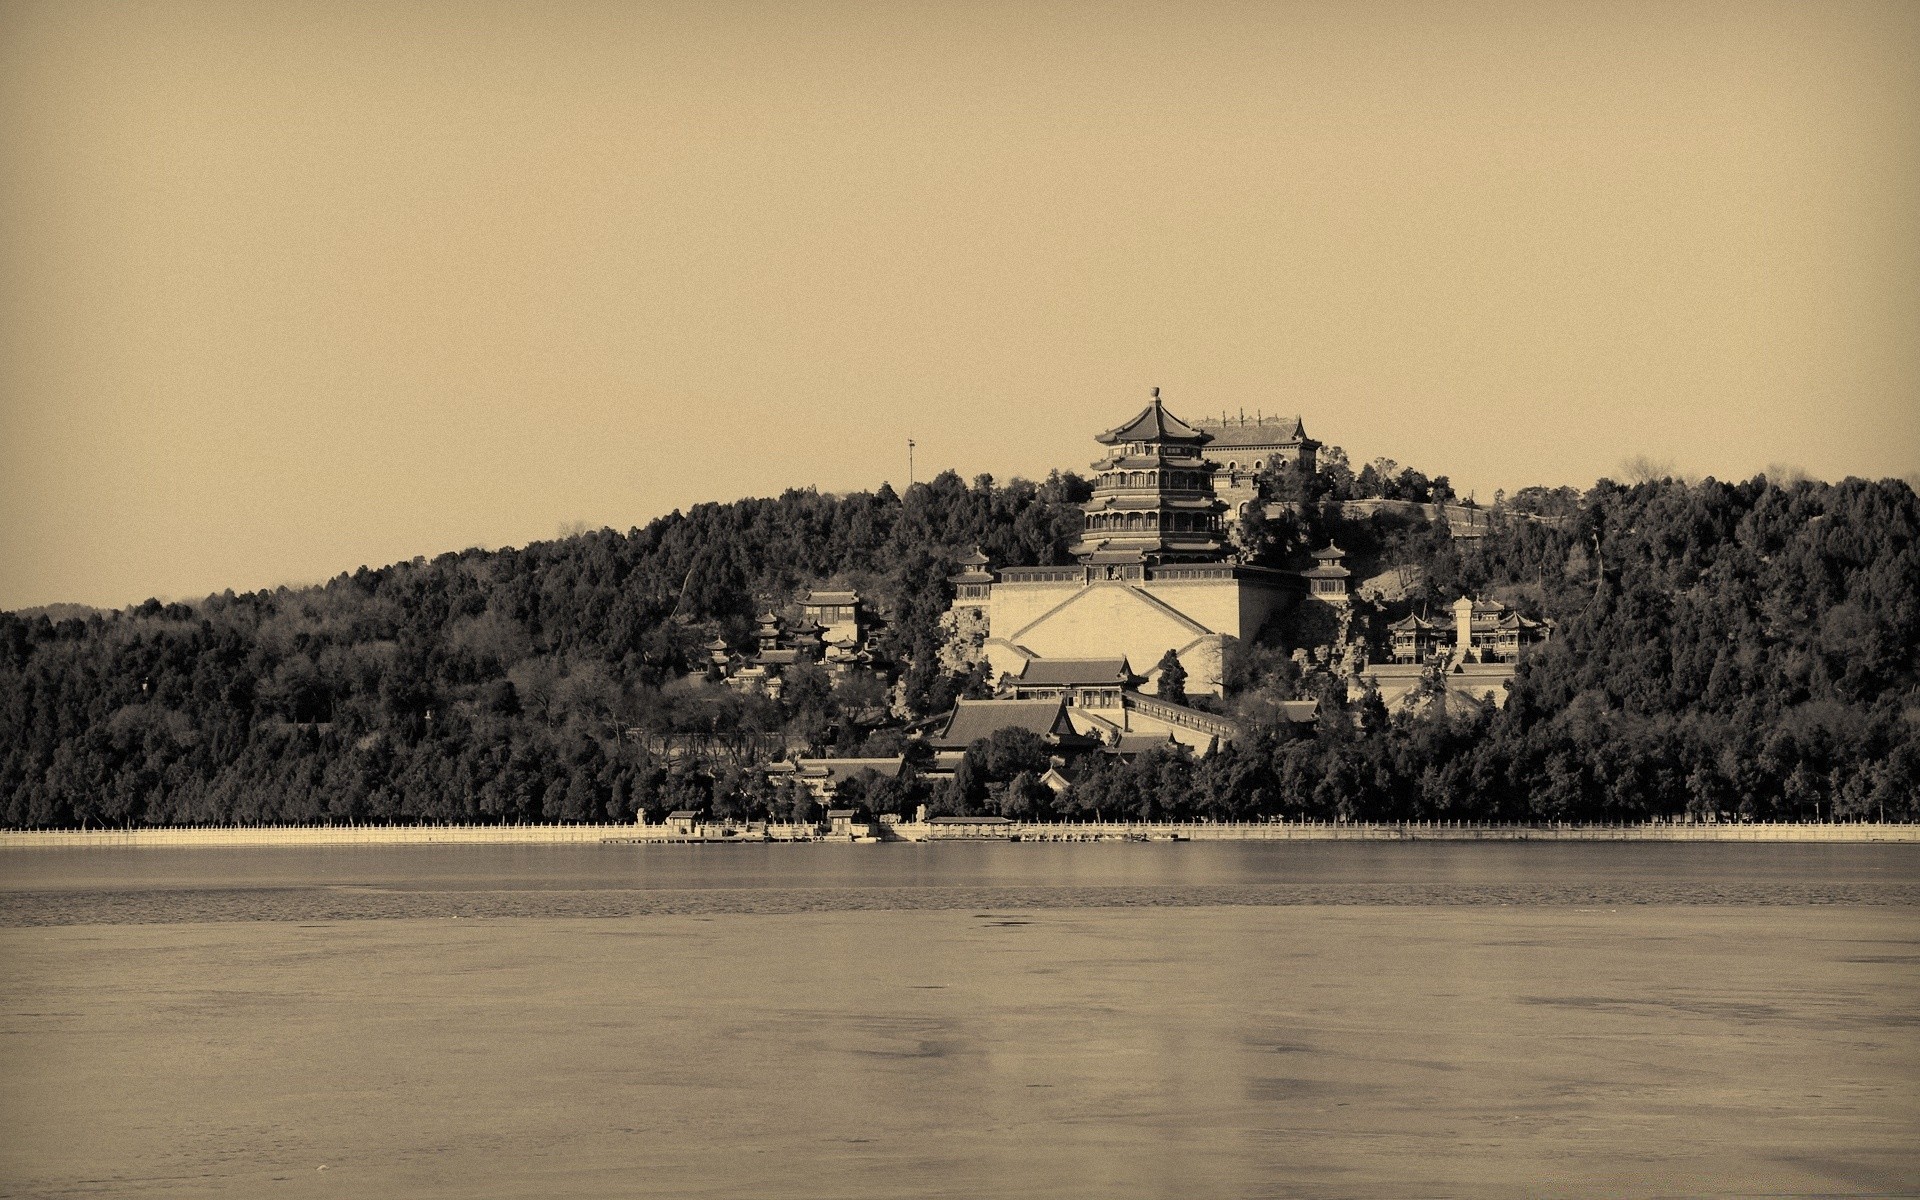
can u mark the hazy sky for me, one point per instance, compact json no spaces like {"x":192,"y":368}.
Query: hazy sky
{"x":289,"y":288}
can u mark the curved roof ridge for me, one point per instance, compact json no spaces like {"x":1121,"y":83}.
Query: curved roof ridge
{"x":1153,"y":424}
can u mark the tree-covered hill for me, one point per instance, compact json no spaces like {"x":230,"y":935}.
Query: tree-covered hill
{"x":1719,"y":648}
{"x":484,"y":685}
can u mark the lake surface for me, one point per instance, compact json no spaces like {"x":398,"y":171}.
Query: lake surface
{"x":1200,"y":1019}
{"x":147,"y":885}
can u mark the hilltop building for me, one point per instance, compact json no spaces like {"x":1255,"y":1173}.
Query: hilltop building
{"x":1242,"y":447}
{"x":1152,"y":573}
{"x":1327,"y":578}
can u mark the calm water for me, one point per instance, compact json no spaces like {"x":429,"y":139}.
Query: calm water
{"x":1164,"y":1020}
{"x":250,"y":884}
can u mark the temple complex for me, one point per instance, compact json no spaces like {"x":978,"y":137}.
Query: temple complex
{"x":1474,"y":653}
{"x":1482,"y":631}
{"x":1152,"y":573}
{"x":834,"y":629}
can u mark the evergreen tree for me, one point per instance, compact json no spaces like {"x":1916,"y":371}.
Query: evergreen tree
{"x":1172,"y":686}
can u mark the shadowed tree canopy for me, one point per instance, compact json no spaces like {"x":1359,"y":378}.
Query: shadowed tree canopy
{"x":1743,"y":648}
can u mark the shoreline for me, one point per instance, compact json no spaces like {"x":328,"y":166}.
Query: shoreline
{"x":548,"y":835}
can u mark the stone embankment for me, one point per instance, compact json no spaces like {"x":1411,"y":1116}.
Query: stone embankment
{"x":1137,"y":831}
{"x":1425,"y":831}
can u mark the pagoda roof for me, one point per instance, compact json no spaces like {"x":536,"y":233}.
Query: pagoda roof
{"x":716,"y":644}
{"x":1330,"y":550}
{"x":777,"y":658}
{"x":1411,"y":622}
{"x":1153,"y":424}
{"x":976,"y":559}
{"x":1154,"y":462}
{"x":1514,"y":620}
{"x":1324,"y":571}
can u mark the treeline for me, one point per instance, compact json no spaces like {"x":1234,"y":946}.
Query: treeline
{"x":1738,"y":648}
{"x":546,"y":683}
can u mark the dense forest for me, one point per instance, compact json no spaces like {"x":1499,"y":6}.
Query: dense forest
{"x":1725,"y":648}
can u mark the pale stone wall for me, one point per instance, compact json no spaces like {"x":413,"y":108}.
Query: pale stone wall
{"x":1071,"y":619}
{"x":1103,"y":620}
{"x":1215,"y":603}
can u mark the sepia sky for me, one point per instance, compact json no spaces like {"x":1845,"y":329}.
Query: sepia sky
{"x":292,"y":287}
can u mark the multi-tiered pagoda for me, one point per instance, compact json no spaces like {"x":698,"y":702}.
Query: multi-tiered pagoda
{"x":1153,"y":499}
{"x":1152,"y":573}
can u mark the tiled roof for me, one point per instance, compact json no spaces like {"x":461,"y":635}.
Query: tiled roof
{"x":831,"y":599}
{"x":1139,"y":743}
{"x":835,"y":770}
{"x":1252,"y":435}
{"x":975,"y":719}
{"x":1071,"y":672}
{"x":1154,"y":424}
{"x":947,"y":761}
{"x":1299,"y":711}
{"x":1411,"y":621}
